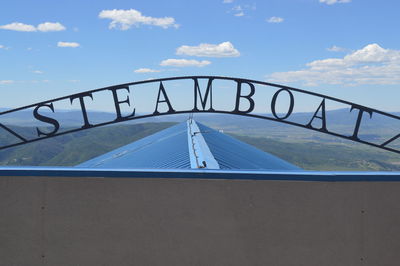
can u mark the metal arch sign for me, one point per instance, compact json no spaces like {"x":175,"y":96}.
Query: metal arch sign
{"x":202,"y":103}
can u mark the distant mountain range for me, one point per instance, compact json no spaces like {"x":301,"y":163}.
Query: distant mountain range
{"x":305,"y":148}
{"x":335,"y":118}
{"x":298,"y":148}
{"x":342,"y":121}
{"x":71,"y":118}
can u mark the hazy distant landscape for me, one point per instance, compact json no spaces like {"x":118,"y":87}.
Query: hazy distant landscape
{"x":307,"y":149}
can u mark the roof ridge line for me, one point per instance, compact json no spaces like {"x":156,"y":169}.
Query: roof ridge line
{"x":199,"y":152}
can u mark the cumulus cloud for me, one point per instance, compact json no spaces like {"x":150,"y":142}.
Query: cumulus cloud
{"x":369,"y":65}
{"x":17,"y":26}
{"x":146,"y":70}
{"x":275,"y":20}
{"x":336,"y":49}
{"x":4,"y":47}
{"x":50,"y":26}
{"x":43,"y":27}
{"x":184,"y":63}
{"x":331,"y":2}
{"x":125,"y":19}
{"x":68,"y":44}
{"x":6,"y":81}
{"x":224,"y":49}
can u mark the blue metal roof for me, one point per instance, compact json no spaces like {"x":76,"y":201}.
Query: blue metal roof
{"x":189,"y":145}
{"x":231,"y":153}
{"x":164,"y":149}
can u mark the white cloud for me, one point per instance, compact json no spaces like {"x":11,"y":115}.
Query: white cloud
{"x":227,"y":1}
{"x":17,"y":26}
{"x":50,"y":26}
{"x":275,"y":20}
{"x":44,"y":27}
{"x":369,"y":65}
{"x":37,"y":72}
{"x":125,"y":19}
{"x":224,"y":49}
{"x":238,"y":11}
{"x":68,"y":44}
{"x":146,"y":70}
{"x":4,"y":47}
{"x":6,"y":81}
{"x":184,"y":63}
{"x":241,"y":10}
{"x":336,"y":49}
{"x":331,"y":2}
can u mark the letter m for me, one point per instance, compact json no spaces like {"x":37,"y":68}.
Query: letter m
{"x":199,"y":96}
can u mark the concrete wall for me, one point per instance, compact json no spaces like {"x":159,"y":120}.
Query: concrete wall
{"x":105,"y":221}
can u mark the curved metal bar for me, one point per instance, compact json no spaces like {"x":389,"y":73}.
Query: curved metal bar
{"x":203,"y":101}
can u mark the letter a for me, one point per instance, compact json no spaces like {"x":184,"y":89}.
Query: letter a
{"x":166,"y":100}
{"x":322,"y":117}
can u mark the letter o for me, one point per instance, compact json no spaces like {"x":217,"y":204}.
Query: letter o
{"x":291,"y":105}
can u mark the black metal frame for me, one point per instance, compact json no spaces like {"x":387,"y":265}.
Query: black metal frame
{"x":203,"y":101}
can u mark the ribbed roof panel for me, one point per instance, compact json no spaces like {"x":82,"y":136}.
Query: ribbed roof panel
{"x":165,"y":149}
{"x":169,"y":149}
{"x":234,"y":154}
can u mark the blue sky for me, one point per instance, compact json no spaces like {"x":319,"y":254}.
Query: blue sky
{"x":348,"y":49}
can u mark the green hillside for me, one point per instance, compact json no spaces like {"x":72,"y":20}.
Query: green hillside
{"x":297,"y":148}
{"x":312,"y":155}
{"x":74,"y":148}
